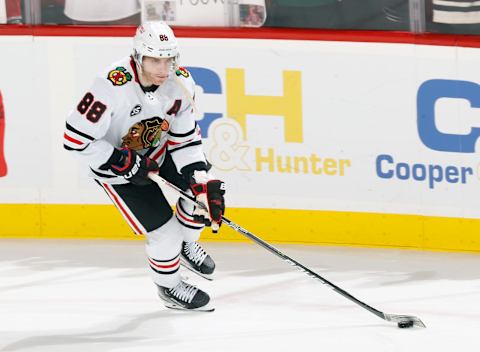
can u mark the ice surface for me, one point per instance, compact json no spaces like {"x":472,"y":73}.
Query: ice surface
{"x":97,"y":296}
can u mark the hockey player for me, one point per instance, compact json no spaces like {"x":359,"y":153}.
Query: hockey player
{"x":138,"y":118}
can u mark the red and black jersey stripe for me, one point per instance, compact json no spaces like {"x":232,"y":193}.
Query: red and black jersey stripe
{"x":76,"y":140}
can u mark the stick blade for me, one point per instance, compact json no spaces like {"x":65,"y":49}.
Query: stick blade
{"x":405,"y":319}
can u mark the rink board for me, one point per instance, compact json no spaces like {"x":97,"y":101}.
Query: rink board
{"x":356,"y":143}
{"x":276,"y":226}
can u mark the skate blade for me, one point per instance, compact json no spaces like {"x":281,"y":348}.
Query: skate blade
{"x":209,"y":277}
{"x":207,"y":308}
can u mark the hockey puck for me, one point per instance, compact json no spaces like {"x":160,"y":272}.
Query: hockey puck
{"x":405,"y":324}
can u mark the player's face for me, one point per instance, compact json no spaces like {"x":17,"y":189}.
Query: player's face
{"x":156,"y":70}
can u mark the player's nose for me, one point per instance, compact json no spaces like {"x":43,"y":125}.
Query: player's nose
{"x":163,"y":66}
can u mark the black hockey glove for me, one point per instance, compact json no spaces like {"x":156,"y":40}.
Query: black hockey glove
{"x":210,"y":193}
{"x":133,"y":167}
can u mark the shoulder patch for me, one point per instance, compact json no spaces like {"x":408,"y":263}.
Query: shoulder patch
{"x":119,"y":76}
{"x":182,"y":72}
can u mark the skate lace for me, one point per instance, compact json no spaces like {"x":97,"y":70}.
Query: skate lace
{"x":195,"y":253}
{"x":184,"y":292}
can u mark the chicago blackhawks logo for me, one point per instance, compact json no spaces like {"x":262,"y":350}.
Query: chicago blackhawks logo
{"x":182,"y":72}
{"x":145,"y":133}
{"x":119,"y":76}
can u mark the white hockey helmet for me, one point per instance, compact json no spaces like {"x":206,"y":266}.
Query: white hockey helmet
{"x":155,"y":39}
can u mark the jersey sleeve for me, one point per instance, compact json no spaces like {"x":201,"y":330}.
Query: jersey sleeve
{"x":88,"y":123}
{"x":184,"y":136}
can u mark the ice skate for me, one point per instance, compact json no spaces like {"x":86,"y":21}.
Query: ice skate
{"x":194,"y":258}
{"x":185,"y":297}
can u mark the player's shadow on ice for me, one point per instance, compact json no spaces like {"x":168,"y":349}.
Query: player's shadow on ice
{"x":106,"y":337}
{"x":384,"y":267}
{"x":364,"y":267}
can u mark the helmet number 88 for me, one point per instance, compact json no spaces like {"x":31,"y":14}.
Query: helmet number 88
{"x":163,"y":38}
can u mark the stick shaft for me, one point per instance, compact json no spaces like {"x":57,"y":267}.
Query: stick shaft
{"x":159,"y":180}
{"x":300,"y":266}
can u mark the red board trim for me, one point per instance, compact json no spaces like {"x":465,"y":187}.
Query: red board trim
{"x":252,"y":33}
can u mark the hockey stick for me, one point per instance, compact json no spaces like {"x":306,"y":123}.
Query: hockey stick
{"x":403,"y":321}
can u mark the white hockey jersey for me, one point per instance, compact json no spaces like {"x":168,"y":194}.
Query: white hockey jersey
{"x":116,"y":113}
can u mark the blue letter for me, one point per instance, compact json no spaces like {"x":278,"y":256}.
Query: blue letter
{"x":210,"y":82}
{"x":380,"y":173}
{"x":428,"y":94}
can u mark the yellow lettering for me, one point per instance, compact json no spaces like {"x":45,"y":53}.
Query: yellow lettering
{"x":330,"y":166}
{"x":344,"y":163}
{"x":314,"y":160}
{"x":299,"y":164}
{"x":301,"y":160}
{"x":264,"y":159}
{"x":288,"y":164}
{"x":239,"y":105}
